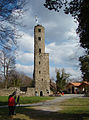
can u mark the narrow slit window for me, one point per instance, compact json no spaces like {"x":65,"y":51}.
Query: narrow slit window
{"x":39,"y":38}
{"x":39,"y":72}
{"x":39,"y":62}
{"x":39,"y":51}
{"x":39,"y":30}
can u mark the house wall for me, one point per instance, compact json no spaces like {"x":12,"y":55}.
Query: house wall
{"x":72,"y":89}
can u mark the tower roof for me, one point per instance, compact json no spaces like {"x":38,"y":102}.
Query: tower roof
{"x":38,"y":25}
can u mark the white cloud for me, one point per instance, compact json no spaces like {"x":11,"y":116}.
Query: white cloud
{"x":25,"y":58}
{"x":71,"y":34}
{"x":26,"y":42}
{"x":25,"y":53}
{"x":74,"y":73}
{"x":25,"y":69}
{"x":52,"y":72}
{"x":50,"y":25}
{"x":60,"y":53}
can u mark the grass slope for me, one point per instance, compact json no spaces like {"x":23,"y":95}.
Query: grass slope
{"x":72,"y":109}
{"x":25,"y":100}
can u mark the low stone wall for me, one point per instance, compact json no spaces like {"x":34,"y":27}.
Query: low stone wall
{"x":30,"y":92}
{"x":7,"y":92}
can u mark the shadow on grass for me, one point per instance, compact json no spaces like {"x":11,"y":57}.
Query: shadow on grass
{"x":33,"y":114}
{"x":3,"y":103}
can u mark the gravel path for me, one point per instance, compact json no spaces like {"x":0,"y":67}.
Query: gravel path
{"x":53,"y":105}
{"x":50,"y":105}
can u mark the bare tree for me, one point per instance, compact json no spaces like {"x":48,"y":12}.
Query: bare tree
{"x":10,"y":12}
{"x":7,"y":62}
{"x":19,"y":79}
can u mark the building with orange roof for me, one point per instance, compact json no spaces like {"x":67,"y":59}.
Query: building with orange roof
{"x":73,"y":87}
{"x":84,"y":86}
{"x":77,"y":87}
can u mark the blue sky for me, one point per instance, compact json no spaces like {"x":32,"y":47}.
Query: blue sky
{"x":61,"y":41}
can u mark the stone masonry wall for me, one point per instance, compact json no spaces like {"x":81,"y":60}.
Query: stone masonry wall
{"x":41,"y":63}
{"x":42,"y":81}
{"x":7,"y":92}
{"x":30,"y":92}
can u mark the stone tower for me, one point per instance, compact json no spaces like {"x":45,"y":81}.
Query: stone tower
{"x":41,"y":63}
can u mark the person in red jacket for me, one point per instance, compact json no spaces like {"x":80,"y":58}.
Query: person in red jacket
{"x":11,"y":105}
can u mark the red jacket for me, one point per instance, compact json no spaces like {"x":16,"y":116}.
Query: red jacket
{"x":11,"y":101}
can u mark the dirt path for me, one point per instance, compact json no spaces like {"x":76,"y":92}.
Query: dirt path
{"x":50,"y":105}
{"x":53,"y":105}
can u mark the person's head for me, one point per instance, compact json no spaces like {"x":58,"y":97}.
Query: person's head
{"x":14,"y":93}
{"x":9,"y":96}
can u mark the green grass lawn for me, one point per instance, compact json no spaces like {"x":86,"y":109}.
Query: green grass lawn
{"x":72,"y":109}
{"x":3,"y":100}
{"x":76,"y":108}
{"x":25,"y":100}
{"x":34,"y":99}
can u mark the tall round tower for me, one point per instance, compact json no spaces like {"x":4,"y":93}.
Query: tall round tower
{"x":41,"y":63}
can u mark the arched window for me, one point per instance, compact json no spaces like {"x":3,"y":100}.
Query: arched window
{"x":41,"y":93}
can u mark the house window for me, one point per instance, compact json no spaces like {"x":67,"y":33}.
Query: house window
{"x":39,"y":38}
{"x":39,"y":50}
{"x":39,"y":62}
{"x":42,"y":79}
{"x":39,"y":72}
{"x":39,"y":30}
